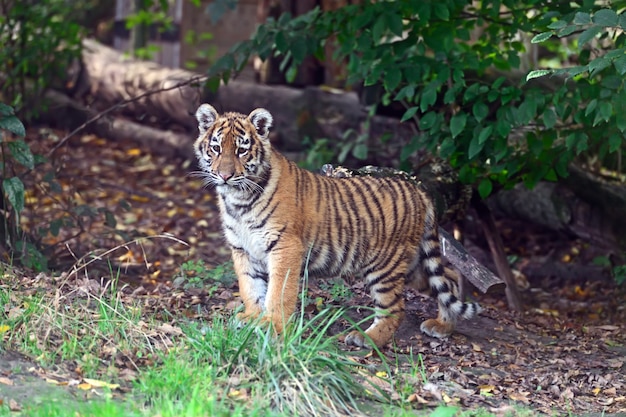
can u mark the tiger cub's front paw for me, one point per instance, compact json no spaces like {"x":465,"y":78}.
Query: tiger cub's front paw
{"x":246,"y":316}
{"x":356,"y":338}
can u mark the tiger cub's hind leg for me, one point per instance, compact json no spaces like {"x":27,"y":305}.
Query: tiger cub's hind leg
{"x":386,"y":288}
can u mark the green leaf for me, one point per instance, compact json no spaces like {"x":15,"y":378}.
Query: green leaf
{"x":22,"y":154}
{"x":429,"y":96}
{"x":541,"y":37}
{"x":6,"y":110}
{"x":581,"y":18}
{"x":620,"y":64}
{"x":281,"y":42}
{"x":480,"y":111}
{"x":605,"y":17}
{"x":410,"y":148}
{"x":392,"y":78}
{"x":549,"y":118}
{"x":457,"y":123}
{"x":428,"y":120}
{"x":537,"y":74}
{"x":12,"y":124}
{"x":558,"y":24}
{"x":620,"y":121}
{"x":55,"y":226}
{"x":605,"y":110}
{"x":213,"y":83}
{"x":615,"y":142}
{"x":567,"y":30}
{"x":406,"y":93}
{"x":485,"y":134}
{"x":440,"y":10}
{"x":503,"y":127}
{"x":109,"y":219}
{"x":379,"y":27}
{"x":299,"y":49}
{"x":598,"y":64}
{"x":485,"y":187}
{"x":474,"y":147}
{"x":395,"y":24}
{"x":409,"y":113}
{"x":588,"y":35}
{"x":591,"y":106}
{"x":360,"y":151}
{"x":14,"y":190}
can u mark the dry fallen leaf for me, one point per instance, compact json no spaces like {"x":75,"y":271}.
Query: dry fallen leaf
{"x":169,"y":329}
{"x":415,"y":398}
{"x":14,"y":406}
{"x":485,"y":389}
{"x":5,"y":381}
{"x":520,"y":396}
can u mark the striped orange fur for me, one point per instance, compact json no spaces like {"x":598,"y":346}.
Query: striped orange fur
{"x":275,"y":215}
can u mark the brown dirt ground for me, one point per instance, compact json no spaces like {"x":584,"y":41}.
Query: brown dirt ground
{"x":565,"y":353}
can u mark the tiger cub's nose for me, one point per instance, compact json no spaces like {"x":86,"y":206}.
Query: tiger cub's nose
{"x":225,"y":175}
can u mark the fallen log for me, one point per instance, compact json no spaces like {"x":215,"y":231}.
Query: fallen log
{"x":66,"y":113}
{"x":169,"y":96}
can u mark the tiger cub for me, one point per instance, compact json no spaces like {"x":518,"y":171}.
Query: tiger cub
{"x":276,"y":215}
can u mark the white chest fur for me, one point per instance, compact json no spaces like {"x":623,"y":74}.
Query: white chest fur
{"x":242,"y":233}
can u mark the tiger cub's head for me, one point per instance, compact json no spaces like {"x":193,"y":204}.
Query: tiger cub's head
{"x":232,"y":148}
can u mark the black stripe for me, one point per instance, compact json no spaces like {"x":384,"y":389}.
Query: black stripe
{"x":393,"y":302}
{"x":273,"y":243}
{"x":263,"y":222}
{"x":263,"y":276}
{"x":382,"y":277}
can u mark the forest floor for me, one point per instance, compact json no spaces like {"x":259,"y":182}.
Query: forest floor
{"x":566,"y":353}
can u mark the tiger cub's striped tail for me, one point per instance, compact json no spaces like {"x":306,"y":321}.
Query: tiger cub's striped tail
{"x":442,"y":282}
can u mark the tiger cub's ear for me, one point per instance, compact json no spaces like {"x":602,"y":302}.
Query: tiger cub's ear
{"x":206,"y":115}
{"x":262,"y":121}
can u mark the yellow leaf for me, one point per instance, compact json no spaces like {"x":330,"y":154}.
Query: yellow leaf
{"x":596,"y":391}
{"x":4,"y":328}
{"x":84,"y":387}
{"x":446,"y":398}
{"x":486,"y":390}
{"x":100,"y":384}
{"x":139,"y":198}
{"x":381,"y":374}
{"x":520,"y":396}
{"x":133,"y":152}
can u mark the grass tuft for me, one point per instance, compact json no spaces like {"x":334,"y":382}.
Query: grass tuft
{"x":302,"y":372}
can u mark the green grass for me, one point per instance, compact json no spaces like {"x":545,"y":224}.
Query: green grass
{"x":87,"y":323}
{"x":215,"y":368}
